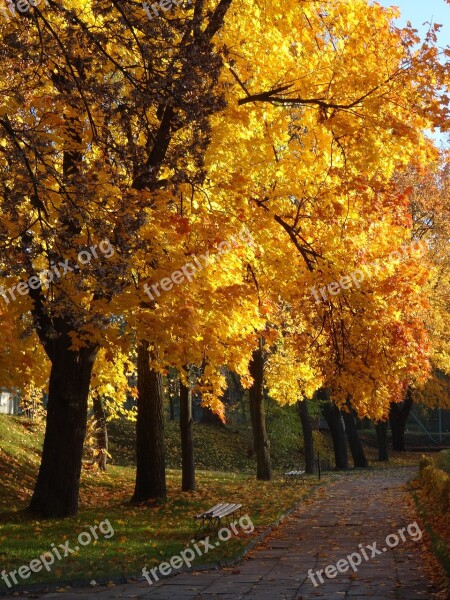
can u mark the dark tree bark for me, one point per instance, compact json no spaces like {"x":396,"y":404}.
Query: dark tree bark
{"x":354,"y":441}
{"x":187,"y":440}
{"x":57,"y":485}
{"x":332,"y":416}
{"x":171,"y":408}
{"x":308,"y":441}
{"x":174,"y":391}
{"x":239,"y":390}
{"x":210,"y":418}
{"x":260,"y":437}
{"x":150,"y":451}
{"x":101,"y":431}
{"x":381,"y":429}
{"x":398,"y":415}
{"x":58,"y":481}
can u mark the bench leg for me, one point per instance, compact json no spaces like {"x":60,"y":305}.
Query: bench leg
{"x":207,"y":525}
{"x":216,"y":526}
{"x":200,"y":527}
{"x":214,"y":523}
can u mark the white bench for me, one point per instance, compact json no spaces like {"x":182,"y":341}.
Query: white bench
{"x":297,"y":474}
{"x":214,"y":516}
{"x":293,"y":474}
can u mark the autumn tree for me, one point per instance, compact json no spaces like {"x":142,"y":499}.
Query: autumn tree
{"x":111,"y":382}
{"x":158,"y":139}
{"x":354,"y":441}
{"x":428,"y":190}
{"x":307,"y":431}
{"x":187,"y":439}
{"x":85,"y":136}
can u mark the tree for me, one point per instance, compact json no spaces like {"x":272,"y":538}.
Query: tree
{"x":150,"y":454}
{"x":173,"y":391}
{"x":308,"y":440}
{"x":428,"y":192}
{"x":257,"y":413}
{"x":111,"y":382}
{"x":187,"y":439}
{"x":101,"y":432}
{"x":210,"y":418}
{"x":56,"y":490}
{"x":354,"y":441}
{"x":381,"y":429}
{"x":67,"y":182}
{"x":333,"y":418}
{"x":162,"y":143}
{"x":398,"y":415}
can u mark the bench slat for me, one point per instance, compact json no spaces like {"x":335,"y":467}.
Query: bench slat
{"x":206,"y":513}
{"x":214,"y":515}
{"x":219,"y":509}
{"x":224,"y":512}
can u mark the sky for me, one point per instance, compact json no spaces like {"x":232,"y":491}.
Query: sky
{"x":420,"y":11}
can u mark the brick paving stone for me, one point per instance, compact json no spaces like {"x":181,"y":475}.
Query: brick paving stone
{"x":164,"y":594}
{"x":123,"y":591}
{"x":225,"y":596}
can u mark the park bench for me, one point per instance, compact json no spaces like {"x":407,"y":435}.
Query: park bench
{"x":214,"y":516}
{"x":294,"y":474}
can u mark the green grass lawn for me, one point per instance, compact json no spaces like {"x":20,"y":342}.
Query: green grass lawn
{"x":143,"y":535}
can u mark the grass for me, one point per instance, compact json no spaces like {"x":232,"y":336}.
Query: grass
{"x":148,"y":534}
{"x":396,"y":459}
{"x":223,"y":449}
{"x":216,"y":448}
{"x":143,"y":535}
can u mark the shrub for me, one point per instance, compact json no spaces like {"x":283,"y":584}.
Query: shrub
{"x":437,"y":484}
{"x":443,"y":461}
{"x":425,"y":461}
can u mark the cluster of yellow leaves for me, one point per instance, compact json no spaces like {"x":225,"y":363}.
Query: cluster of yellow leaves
{"x":307,"y":169}
{"x":111,"y":377}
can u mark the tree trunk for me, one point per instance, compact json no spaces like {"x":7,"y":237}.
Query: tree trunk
{"x":398,"y":415}
{"x":173,"y":391}
{"x":150,"y":451}
{"x":101,"y":432}
{"x":210,"y":418}
{"x":382,"y":428}
{"x":187,"y":440}
{"x":356,"y":447}
{"x":332,"y":416}
{"x":308,"y":441}
{"x":260,"y":437}
{"x":171,"y":408}
{"x":58,"y":481}
{"x":239,"y":390}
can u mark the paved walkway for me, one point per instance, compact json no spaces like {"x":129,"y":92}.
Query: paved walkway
{"x":357,"y":509}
